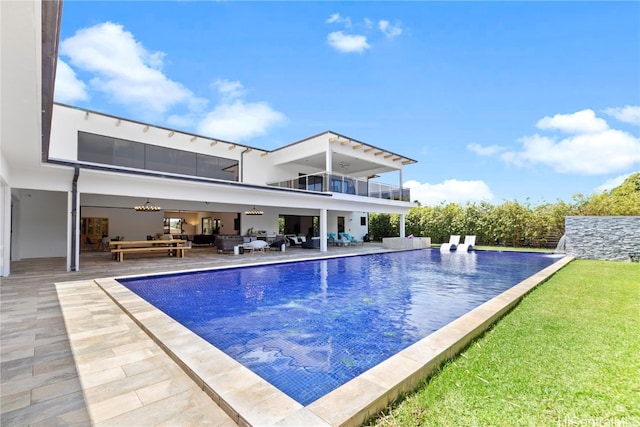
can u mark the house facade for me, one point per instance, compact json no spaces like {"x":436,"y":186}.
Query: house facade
{"x":68,"y":174}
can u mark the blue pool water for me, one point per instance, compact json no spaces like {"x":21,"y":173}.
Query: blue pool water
{"x":308,"y":327}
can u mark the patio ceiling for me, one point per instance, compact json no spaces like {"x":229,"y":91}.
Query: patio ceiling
{"x":345,"y":165}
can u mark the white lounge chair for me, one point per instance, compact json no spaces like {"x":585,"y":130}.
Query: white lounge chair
{"x":296,"y":240}
{"x":454,"y":241}
{"x":469,"y":243}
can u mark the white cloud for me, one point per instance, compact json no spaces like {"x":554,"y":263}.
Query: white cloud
{"x":68,"y":88}
{"x":388,"y":29}
{"x":628,"y":114}
{"x":612,"y":183}
{"x":449,"y":191}
{"x":124,"y":70}
{"x":337,"y":19}
{"x":589,"y":154}
{"x":234,"y":119}
{"x":584,"y":121}
{"x":229,"y":89}
{"x":484,"y":151}
{"x":347,"y":42}
{"x":591,"y":148}
{"x":368,"y":23}
{"x":239,"y":120}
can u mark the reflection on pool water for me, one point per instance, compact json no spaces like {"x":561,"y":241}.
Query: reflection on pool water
{"x":308,"y":327}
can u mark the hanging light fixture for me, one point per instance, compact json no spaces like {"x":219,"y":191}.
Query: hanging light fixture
{"x":253,"y":211}
{"x":147,"y":207}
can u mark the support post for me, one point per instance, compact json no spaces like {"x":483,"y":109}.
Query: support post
{"x":323,"y":230}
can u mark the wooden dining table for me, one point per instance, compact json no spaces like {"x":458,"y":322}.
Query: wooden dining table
{"x":175,"y":247}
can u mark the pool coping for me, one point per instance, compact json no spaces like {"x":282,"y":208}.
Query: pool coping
{"x":250,"y":400}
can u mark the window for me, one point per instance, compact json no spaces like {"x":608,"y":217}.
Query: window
{"x":340,"y":224}
{"x":363,"y":220}
{"x":119,"y":152}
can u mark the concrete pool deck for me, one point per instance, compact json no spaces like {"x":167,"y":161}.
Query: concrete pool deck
{"x":70,"y":355}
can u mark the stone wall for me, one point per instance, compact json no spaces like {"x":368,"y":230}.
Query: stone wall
{"x":602,"y":237}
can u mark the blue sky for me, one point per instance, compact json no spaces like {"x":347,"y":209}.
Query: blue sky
{"x":496,"y":101}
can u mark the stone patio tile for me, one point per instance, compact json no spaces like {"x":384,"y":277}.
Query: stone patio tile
{"x":164,"y":389}
{"x":117,"y":405}
{"x":20,"y":384}
{"x":22,"y":352}
{"x":77,"y":418}
{"x":100,"y":331}
{"x":15,"y":401}
{"x":18,"y":342}
{"x":16,"y":368}
{"x":96,"y":365}
{"x":56,"y":389}
{"x":124,"y":385}
{"x":105,"y":376}
{"x":43,"y":410}
{"x":176,"y":409}
{"x":53,"y":365}
{"x":133,"y":346}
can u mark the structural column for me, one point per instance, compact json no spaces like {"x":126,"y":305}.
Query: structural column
{"x":402,"y":225}
{"x":323,"y":230}
{"x":5,"y":229}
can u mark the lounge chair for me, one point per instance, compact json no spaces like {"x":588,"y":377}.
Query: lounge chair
{"x":332,"y":239}
{"x":297,"y":240}
{"x":351,"y":239}
{"x":454,"y":241}
{"x":469,"y":243}
{"x":256,"y":245}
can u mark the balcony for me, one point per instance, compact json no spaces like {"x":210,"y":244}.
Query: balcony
{"x":336,"y":183}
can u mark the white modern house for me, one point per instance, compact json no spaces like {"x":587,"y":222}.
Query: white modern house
{"x":69,"y":173}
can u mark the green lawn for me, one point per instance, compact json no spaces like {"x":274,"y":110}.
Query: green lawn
{"x":567,"y":355}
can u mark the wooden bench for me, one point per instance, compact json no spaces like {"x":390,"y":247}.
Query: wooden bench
{"x":171,"y":250}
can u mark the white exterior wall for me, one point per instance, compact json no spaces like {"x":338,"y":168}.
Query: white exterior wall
{"x":43,"y":224}
{"x":20,"y":103}
{"x":276,"y":166}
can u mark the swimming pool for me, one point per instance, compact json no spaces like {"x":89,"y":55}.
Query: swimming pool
{"x":308,"y":327}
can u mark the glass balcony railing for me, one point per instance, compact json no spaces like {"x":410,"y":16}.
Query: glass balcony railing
{"x":336,"y":183}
